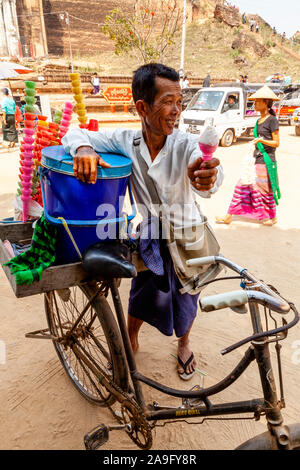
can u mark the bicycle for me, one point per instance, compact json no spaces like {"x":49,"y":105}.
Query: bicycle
{"x":95,"y":351}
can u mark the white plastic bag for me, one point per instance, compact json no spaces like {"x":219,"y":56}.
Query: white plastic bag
{"x":35,"y":210}
{"x":248,"y":173}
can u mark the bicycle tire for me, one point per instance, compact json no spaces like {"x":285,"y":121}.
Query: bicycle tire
{"x":266,"y":441}
{"x":111,"y":350}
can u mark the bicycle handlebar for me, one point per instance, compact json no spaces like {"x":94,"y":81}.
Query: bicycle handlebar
{"x":265,"y":296}
{"x":238,"y":298}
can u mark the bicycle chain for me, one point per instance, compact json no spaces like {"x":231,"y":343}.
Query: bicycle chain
{"x":140,"y":423}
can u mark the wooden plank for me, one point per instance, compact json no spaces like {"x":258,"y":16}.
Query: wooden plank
{"x":55,"y":277}
{"x":15,"y":232}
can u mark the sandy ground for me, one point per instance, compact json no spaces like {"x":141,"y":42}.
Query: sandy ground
{"x":42,"y":410}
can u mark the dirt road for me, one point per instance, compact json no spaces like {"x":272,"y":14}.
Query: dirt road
{"x":41,"y":409}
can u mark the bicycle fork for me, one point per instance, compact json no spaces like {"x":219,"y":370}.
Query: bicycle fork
{"x":272,"y":404}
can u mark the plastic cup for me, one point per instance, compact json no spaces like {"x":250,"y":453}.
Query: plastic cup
{"x":28,"y":147}
{"x":83,"y":126}
{"x":79,"y":106}
{"x":45,"y":142}
{"x":68,"y":105}
{"x":29,"y":91}
{"x":64,"y":123}
{"x":29,"y":124}
{"x":28,"y":139}
{"x":81,"y":112}
{"x":29,"y":116}
{"x":93,"y":125}
{"x":42,"y":123}
{"x":29,"y":108}
{"x":78,"y":98}
{"x":42,"y":118}
{"x":53,"y":126}
{"x":76,"y":83}
{"x":63,"y":129}
{"x":29,"y":132}
{"x":76,"y":90}
{"x":29,"y":100}
{"x":30,"y":84}
{"x":74,"y":76}
{"x":58,"y":112}
{"x":82,"y":120}
{"x":67,"y":114}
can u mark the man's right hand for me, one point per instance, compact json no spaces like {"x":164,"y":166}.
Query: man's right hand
{"x":85,"y":164}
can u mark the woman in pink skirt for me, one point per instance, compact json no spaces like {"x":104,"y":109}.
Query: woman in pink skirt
{"x":256,"y":201}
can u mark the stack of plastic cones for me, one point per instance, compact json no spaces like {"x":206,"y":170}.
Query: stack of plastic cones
{"x":26,"y":154}
{"x":65,"y":119}
{"x":78,"y":96}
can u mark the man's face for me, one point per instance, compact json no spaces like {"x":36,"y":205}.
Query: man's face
{"x":160,"y":118}
{"x":230,"y":101}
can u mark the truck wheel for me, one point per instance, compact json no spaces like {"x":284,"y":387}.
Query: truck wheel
{"x":227,"y":138}
{"x":297,"y":130}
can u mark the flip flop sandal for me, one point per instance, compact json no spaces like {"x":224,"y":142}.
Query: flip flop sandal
{"x":184,"y":375}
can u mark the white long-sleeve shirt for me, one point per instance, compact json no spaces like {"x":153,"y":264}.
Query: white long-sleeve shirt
{"x":168,"y":170}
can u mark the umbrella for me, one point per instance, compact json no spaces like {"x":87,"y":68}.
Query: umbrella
{"x":12,"y":70}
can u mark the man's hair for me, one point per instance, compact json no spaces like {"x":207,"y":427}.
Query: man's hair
{"x":5,"y":91}
{"x":232,"y":96}
{"x":143,"y":82}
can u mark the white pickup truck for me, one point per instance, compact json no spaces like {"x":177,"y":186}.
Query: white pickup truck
{"x":223,"y":107}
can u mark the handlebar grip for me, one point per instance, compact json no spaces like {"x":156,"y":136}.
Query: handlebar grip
{"x":201,"y":261}
{"x":235,"y":298}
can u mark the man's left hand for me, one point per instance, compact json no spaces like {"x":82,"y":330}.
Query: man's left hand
{"x":203,"y":175}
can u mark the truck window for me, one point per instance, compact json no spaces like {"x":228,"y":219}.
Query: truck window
{"x":206,"y":100}
{"x":232,"y":102}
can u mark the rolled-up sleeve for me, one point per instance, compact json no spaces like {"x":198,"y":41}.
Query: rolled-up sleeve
{"x":106,"y":141}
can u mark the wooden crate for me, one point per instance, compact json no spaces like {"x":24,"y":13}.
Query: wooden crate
{"x":55,"y":277}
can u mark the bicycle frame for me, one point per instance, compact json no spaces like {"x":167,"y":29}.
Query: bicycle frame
{"x":268,"y":404}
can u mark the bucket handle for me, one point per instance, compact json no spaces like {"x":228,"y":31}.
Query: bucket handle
{"x":57,"y":221}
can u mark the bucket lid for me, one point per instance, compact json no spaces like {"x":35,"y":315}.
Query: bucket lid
{"x":56,"y":159}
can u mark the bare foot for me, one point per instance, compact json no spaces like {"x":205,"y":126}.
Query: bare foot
{"x":224,"y":220}
{"x":270,"y":222}
{"x":184,"y":352}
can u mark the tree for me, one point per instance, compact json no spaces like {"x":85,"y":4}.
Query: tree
{"x":147,"y":32}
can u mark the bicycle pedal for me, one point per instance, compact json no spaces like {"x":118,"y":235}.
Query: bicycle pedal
{"x":97,"y":437}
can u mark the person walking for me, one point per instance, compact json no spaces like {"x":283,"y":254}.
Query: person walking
{"x":257,"y":201}
{"x":8,"y":106}
{"x":206,"y":81}
{"x":252,"y":24}
{"x":257,"y":27}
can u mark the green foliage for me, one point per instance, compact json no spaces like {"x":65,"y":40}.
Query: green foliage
{"x":146,"y":33}
{"x":235,"y":53}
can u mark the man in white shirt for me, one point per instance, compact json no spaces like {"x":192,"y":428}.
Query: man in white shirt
{"x":177,"y":172}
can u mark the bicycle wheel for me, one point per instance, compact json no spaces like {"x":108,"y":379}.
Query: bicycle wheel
{"x":96,"y":336}
{"x":266,"y":441}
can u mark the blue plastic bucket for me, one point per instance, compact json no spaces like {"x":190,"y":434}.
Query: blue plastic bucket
{"x":91,"y":212}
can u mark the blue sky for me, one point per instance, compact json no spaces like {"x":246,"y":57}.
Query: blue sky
{"x":283,"y":14}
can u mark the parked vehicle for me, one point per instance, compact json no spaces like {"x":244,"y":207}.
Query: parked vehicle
{"x":289,"y":103}
{"x":215,"y":106}
{"x":296,"y":121}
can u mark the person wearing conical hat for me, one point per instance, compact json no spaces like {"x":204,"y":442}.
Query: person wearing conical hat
{"x":257,"y":201}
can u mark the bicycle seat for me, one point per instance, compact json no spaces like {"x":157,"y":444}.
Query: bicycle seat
{"x":108,"y":260}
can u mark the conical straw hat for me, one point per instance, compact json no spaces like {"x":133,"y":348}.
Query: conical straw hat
{"x":266,"y":93}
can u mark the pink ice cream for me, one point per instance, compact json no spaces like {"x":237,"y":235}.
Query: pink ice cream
{"x":208,"y":142}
